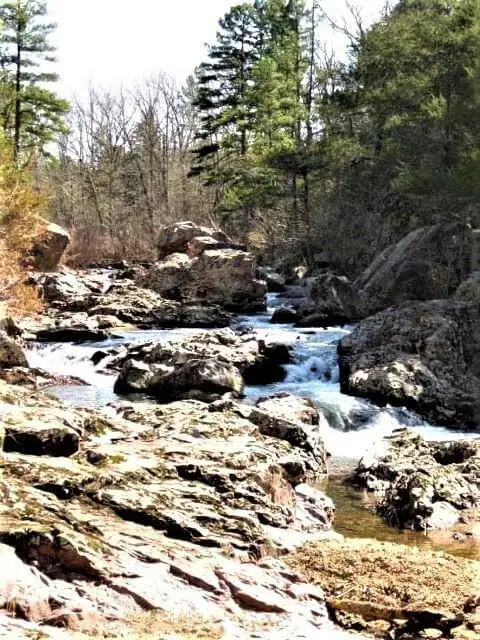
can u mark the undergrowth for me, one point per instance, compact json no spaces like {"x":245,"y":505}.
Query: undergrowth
{"x":21,"y":208}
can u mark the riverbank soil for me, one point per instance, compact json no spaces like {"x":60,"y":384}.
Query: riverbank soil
{"x":395,"y":591}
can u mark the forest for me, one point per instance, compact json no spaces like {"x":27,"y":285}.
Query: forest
{"x":290,"y":148}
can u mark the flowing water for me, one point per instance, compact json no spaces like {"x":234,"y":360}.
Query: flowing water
{"x":353,"y":425}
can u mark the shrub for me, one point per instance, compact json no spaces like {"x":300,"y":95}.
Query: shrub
{"x":21,"y":206}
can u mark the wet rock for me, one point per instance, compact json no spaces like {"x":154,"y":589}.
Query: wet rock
{"x":11,"y":353}
{"x":284,"y":315}
{"x":427,"y":264}
{"x":422,"y":485}
{"x":49,"y":248}
{"x":424,"y":356}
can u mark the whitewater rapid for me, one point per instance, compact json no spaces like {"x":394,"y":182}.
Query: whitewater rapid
{"x":351,"y":426}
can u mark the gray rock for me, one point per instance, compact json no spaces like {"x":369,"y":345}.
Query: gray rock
{"x":425,"y":356}
{"x":177,"y":237}
{"x":422,"y":485}
{"x":428,"y":264}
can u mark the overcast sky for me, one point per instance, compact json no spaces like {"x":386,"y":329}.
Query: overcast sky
{"x":113,"y":42}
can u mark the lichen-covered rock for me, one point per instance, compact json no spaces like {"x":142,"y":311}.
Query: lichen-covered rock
{"x":11,"y":353}
{"x":422,"y":485}
{"x":425,"y":356}
{"x":427,"y":264}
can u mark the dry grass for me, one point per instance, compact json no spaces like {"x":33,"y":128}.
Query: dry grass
{"x":390,"y":575}
{"x":153,"y":625}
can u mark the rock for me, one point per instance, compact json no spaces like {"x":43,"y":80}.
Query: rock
{"x":49,"y":248}
{"x":275,"y":281}
{"x":67,"y":288}
{"x":72,"y":334}
{"x":424,"y":356}
{"x":283,"y":315}
{"x":322,"y":320}
{"x":428,"y":264}
{"x":164,"y":507}
{"x":176,"y":238}
{"x":202,"y":266}
{"x":332,"y":300}
{"x":167,"y":278}
{"x":214,"y":363}
{"x":23,"y":589}
{"x":149,"y":310}
{"x":11,"y":353}
{"x":291,"y":408}
{"x":226,"y":277}
{"x":296,"y":433}
{"x":41,"y":439}
{"x":200,"y":378}
{"x":422,"y":485}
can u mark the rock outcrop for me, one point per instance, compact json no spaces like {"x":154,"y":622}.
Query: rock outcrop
{"x":202,"y":265}
{"x":170,"y":508}
{"x":428,"y":264}
{"x":423,"y":485}
{"x":94,"y":301}
{"x":50,"y":247}
{"x":204,"y":366}
{"x":424,"y":355}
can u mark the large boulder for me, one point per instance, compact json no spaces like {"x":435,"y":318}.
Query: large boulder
{"x":198,"y":365}
{"x":11,"y":353}
{"x":428,"y":264}
{"x":176,"y":238}
{"x":224,"y":277}
{"x":422,"y":485}
{"x":49,"y":248}
{"x":425,"y":356}
{"x":332,"y":300}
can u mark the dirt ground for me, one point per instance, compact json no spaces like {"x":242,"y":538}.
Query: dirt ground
{"x":384,"y":585}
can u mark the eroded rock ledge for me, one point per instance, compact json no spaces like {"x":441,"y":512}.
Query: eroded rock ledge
{"x":172,"y":508}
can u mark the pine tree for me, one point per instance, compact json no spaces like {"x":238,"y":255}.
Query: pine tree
{"x":222,"y":93}
{"x":32,"y":114}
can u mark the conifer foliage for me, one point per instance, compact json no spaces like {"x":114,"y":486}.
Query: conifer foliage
{"x":31,"y":114}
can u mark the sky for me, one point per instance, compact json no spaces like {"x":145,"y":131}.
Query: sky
{"x":110,"y":43}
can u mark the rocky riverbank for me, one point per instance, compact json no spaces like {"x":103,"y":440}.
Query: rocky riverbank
{"x":184,"y":508}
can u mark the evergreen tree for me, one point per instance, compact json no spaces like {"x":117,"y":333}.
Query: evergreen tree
{"x":222,"y":93}
{"x":32,"y":114}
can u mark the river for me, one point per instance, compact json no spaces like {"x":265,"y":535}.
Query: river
{"x":353,"y":424}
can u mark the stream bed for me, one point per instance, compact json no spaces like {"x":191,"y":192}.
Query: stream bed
{"x":354,"y":424}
